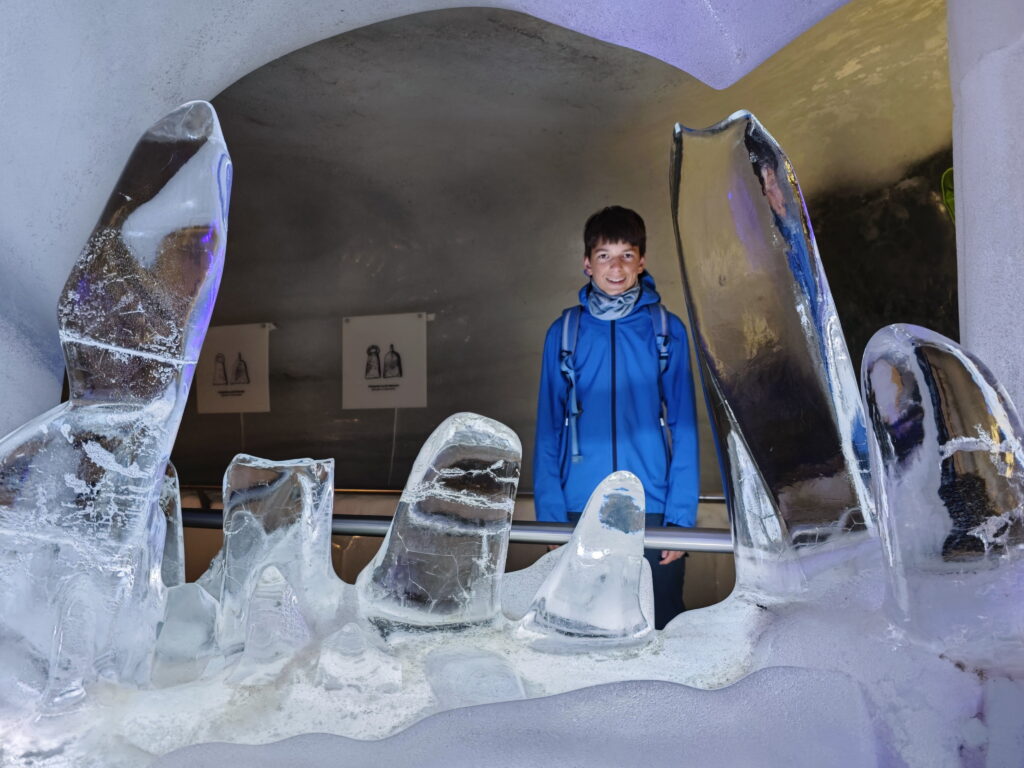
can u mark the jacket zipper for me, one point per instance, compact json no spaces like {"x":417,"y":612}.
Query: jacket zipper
{"x":615,"y":447}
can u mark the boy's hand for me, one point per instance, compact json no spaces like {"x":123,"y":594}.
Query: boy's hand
{"x":669,"y":556}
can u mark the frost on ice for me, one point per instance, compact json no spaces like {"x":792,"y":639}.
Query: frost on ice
{"x":781,"y":388}
{"x":275,"y":513}
{"x":599,"y":594}
{"x":442,"y":560}
{"x":463,"y":676}
{"x":81,"y":531}
{"x":948,"y":464}
{"x":349,"y":660}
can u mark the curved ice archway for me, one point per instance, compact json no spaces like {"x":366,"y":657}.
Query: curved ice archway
{"x":82,"y":81}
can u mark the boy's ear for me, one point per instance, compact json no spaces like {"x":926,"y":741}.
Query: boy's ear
{"x":586,"y":265}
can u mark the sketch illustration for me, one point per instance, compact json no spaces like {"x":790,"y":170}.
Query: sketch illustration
{"x":220,"y":370}
{"x":372,"y":362}
{"x":241,"y":372}
{"x":392,"y":364}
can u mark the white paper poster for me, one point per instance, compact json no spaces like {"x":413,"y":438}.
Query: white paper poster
{"x":384,"y":361}
{"x":233,"y":374}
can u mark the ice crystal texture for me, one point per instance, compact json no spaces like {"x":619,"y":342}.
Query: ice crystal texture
{"x":275,"y":629}
{"x":275,"y":513}
{"x":948,"y":463}
{"x":349,"y":661}
{"x":81,"y":532}
{"x":599,"y":594}
{"x":463,"y":676}
{"x":780,"y":385}
{"x":441,"y":562}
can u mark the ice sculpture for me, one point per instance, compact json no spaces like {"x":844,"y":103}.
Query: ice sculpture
{"x":80,"y":545}
{"x":275,"y":630}
{"x":275,"y":513}
{"x":349,"y":660}
{"x":951,"y":497}
{"x":785,"y":407}
{"x":172,"y":568}
{"x":188,"y":635}
{"x":463,"y":676}
{"x":441,"y":562}
{"x":599,"y":594}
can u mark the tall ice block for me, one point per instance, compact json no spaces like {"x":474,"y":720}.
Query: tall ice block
{"x":275,"y":513}
{"x":442,"y":560}
{"x":599,"y":594}
{"x":777,"y":376}
{"x":81,"y":534}
{"x":948,"y":464}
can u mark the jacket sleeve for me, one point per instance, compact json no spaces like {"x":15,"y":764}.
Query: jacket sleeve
{"x":684,"y":472}
{"x":548,"y":498}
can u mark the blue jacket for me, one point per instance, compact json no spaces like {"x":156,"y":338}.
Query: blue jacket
{"x":616,"y":364}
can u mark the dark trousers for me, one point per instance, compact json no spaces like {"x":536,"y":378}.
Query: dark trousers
{"x":668,"y":579}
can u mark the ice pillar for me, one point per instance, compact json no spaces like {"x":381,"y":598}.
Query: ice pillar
{"x":986,"y":58}
{"x":776,"y":372}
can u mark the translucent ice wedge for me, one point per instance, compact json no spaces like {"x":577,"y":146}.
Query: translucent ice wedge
{"x":463,"y":676}
{"x":79,"y":486}
{"x":275,"y":630}
{"x":774,"y":364}
{"x":599,"y":595}
{"x":950,"y":490}
{"x":275,"y":513}
{"x":172,"y":569}
{"x":349,"y":660}
{"x":444,"y":554}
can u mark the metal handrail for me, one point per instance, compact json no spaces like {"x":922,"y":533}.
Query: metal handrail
{"x":673,"y":538}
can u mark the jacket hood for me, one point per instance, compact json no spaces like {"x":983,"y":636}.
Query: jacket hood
{"x":648,"y":292}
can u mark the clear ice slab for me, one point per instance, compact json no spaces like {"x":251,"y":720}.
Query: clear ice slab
{"x":599,"y":595}
{"x":79,"y":540}
{"x":348,"y":660}
{"x":463,"y":676}
{"x":948,"y":461}
{"x":275,"y":513}
{"x":777,"y":374}
{"x":172,"y":568}
{"x":442,"y":560}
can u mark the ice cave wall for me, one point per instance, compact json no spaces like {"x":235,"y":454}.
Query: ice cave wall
{"x":81,"y":84}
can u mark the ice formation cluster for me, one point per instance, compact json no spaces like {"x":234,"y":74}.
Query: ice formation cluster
{"x":878,"y":536}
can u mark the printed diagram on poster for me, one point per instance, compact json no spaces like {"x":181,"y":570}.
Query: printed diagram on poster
{"x":233,"y":374}
{"x":384,"y":361}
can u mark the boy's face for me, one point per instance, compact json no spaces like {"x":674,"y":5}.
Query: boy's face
{"x":614,"y":267}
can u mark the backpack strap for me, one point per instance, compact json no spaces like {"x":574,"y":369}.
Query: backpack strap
{"x":566,"y":363}
{"x":659,"y":321}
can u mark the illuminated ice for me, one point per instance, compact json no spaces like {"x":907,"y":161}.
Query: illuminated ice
{"x":442,"y":560}
{"x":188,"y":635}
{"x":81,"y":533}
{"x":779,"y":382}
{"x":172,"y":569}
{"x":463,"y":676}
{"x":349,"y":660}
{"x":275,"y":630}
{"x":948,"y":473}
{"x":599,"y":594}
{"x":275,"y":513}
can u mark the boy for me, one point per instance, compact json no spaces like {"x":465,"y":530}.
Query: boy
{"x":635,"y":396}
